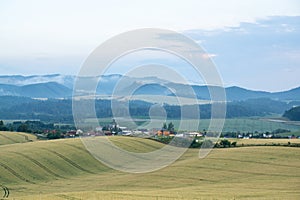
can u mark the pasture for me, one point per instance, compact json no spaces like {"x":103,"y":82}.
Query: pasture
{"x":63,"y":169}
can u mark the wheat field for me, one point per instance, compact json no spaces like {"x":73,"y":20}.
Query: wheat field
{"x":63,"y":169}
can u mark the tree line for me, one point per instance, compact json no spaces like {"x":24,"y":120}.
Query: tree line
{"x":55,"y":110}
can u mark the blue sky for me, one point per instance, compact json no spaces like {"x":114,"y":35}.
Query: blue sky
{"x":264,"y":54}
{"x":254,"y":44}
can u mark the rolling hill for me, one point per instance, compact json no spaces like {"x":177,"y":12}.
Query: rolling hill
{"x":63,"y":169}
{"x":15,"y":137}
{"x":293,"y":113}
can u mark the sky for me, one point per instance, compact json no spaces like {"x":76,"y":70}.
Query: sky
{"x":253,"y":43}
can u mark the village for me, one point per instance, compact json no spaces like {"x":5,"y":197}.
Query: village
{"x":167,"y":130}
{"x":113,"y":128}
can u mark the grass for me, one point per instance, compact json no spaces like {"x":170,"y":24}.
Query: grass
{"x":63,"y":169}
{"x":15,"y":137}
{"x":243,"y":125}
{"x":265,"y":141}
{"x":295,"y":133}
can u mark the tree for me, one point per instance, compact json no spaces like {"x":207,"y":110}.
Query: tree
{"x":22,"y":128}
{"x":105,"y":128}
{"x":55,"y":135}
{"x":165,"y":126}
{"x":233,"y":144}
{"x":293,"y":114}
{"x":225,"y":143}
{"x":170,"y":126}
{"x":2,"y":126}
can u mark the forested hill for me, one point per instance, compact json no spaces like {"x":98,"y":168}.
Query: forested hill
{"x":293,"y":114}
{"x":55,"y":110}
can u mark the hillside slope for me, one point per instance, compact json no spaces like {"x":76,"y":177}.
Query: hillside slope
{"x":15,"y":137}
{"x":63,"y":169}
{"x":293,"y":114}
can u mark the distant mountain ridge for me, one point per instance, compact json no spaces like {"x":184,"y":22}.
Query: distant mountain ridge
{"x":19,"y":80}
{"x":38,"y":90}
{"x":61,"y":86}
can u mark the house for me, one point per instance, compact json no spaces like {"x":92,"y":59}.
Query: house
{"x":163,"y":133}
{"x":126,"y":132}
{"x":194,"y":134}
{"x":71,"y":133}
{"x":107,"y":132}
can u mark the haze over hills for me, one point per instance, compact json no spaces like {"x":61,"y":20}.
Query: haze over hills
{"x":61,"y":86}
{"x":38,"y":90}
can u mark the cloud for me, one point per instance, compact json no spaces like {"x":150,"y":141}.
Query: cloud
{"x":36,"y":41}
{"x":255,"y":54}
{"x":208,"y":55}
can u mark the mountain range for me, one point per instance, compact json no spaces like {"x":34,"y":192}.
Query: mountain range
{"x":61,"y":86}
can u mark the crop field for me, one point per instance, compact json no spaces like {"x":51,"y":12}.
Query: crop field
{"x":266,"y":141}
{"x":63,"y":169}
{"x":15,"y":137}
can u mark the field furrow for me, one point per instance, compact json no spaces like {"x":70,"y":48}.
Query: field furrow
{"x":69,"y":161}
{"x":16,"y":174}
{"x":39,"y":165}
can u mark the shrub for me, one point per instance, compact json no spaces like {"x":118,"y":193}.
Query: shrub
{"x":225,"y":143}
{"x":233,"y":144}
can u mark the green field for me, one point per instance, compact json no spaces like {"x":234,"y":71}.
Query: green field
{"x":243,"y":125}
{"x":63,"y":169}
